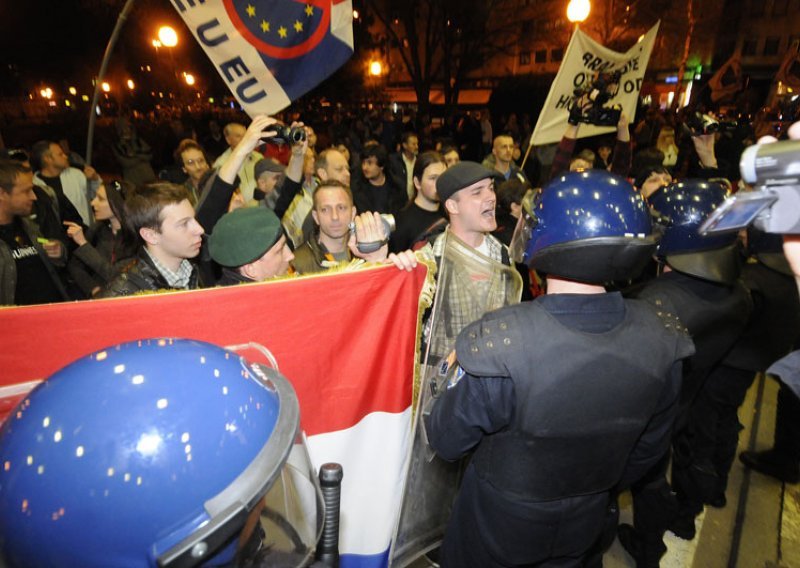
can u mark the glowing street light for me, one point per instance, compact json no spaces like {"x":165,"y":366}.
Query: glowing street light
{"x":47,"y":93}
{"x":355,"y":14}
{"x":73,"y":91}
{"x":106,"y":87}
{"x":375,"y":68}
{"x":167,"y":36}
{"x":578,"y":10}
{"x":190,"y":80}
{"x":156,"y":43}
{"x":131,"y":84}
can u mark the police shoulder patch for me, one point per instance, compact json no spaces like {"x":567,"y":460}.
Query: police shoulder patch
{"x":483,"y":345}
{"x":671,"y":322}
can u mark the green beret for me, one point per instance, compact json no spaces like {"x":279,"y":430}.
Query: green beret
{"x":244,"y":235}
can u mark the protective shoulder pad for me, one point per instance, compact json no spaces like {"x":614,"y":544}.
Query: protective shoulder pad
{"x":488,"y":347}
{"x":663,"y":309}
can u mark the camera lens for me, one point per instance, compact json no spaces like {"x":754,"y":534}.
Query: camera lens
{"x":297,"y":135}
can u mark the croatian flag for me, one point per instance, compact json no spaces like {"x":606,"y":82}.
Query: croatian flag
{"x":270,"y":52}
{"x":347,"y":342}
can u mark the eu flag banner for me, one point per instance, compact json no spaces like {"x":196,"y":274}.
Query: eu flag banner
{"x":270,"y":52}
{"x":346,"y":341}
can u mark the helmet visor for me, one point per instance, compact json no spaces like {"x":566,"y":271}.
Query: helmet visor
{"x":273,"y":510}
{"x":285,"y":525}
{"x":525,"y":224}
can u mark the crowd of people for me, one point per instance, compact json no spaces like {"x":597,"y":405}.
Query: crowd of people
{"x":243,"y":204}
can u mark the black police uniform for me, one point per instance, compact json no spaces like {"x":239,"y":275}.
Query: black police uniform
{"x":560,"y":408}
{"x":772,"y":331}
{"x":715,"y":315}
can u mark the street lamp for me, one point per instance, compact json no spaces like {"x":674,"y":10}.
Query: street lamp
{"x":167,"y":36}
{"x":106,"y":87}
{"x":375,"y":68}
{"x":130,"y":84}
{"x":190,"y":80}
{"x":578,"y":11}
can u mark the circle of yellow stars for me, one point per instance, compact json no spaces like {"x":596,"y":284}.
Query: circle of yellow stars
{"x":282,"y":31}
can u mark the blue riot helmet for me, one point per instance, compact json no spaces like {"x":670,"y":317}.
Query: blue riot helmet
{"x":161,"y":452}
{"x":588,"y":226}
{"x":680,"y":209}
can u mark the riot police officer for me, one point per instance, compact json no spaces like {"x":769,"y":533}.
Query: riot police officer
{"x":555,"y":412}
{"x":771,"y":333}
{"x":700,"y":284}
{"x":157,"y":452}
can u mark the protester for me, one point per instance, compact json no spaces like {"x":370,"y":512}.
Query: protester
{"x":28,"y":261}
{"x":108,"y":247}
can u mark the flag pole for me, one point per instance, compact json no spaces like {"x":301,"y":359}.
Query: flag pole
{"x":123,"y":15}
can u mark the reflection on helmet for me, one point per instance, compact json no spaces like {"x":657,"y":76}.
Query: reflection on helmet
{"x":154,"y":452}
{"x":588,"y":226}
{"x":681,"y":208}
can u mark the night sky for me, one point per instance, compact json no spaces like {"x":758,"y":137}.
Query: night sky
{"x":56,"y":42}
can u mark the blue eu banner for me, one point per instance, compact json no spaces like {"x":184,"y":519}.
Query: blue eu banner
{"x":270,"y":52}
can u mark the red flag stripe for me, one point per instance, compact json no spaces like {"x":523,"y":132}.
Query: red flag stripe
{"x":346,"y":341}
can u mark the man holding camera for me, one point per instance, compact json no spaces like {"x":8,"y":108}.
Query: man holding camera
{"x":234,"y":132}
{"x":330,"y":164}
{"x":620,"y":162}
{"x":251,"y":246}
{"x":333,"y":212}
{"x":171,"y":231}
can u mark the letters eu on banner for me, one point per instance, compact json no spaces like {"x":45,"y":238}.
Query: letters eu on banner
{"x":270,"y":52}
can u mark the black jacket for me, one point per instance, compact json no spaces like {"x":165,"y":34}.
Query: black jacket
{"x":364,"y":197}
{"x":143,"y":276}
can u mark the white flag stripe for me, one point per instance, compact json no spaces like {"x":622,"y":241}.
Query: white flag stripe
{"x":224,"y":55}
{"x":373,"y":455}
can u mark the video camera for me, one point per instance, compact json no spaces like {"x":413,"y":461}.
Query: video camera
{"x":587,"y":106}
{"x":698,"y":124}
{"x":289,"y":134}
{"x":774,"y":205}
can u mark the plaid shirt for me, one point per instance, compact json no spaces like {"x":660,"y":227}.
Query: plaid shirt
{"x":178,"y":279}
{"x":469,"y":284}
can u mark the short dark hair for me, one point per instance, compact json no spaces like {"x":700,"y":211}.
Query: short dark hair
{"x":148,"y":201}
{"x":187,"y":144}
{"x":38,"y":152}
{"x":447,"y":148}
{"x":641,"y":175}
{"x":328,"y":184}
{"x":511,"y":191}
{"x":10,"y":170}
{"x":424,"y":160}
{"x":645,"y":158}
{"x":406,"y":135}
{"x":374,"y":151}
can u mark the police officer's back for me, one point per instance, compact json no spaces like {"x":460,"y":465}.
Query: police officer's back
{"x":555,"y":404}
